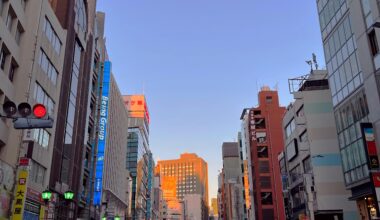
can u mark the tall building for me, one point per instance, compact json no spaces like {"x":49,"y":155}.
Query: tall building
{"x":191,"y":174}
{"x":86,"y":207}
{"x":233,"y":181}
{"x":32,"y":50}
{"x":264,"y":136}
{"x":110,"y":187}
{"x":350,"y":36}
{"x":138,"y":154}
{"x":78,"y":20}
{"x":311,"y":160}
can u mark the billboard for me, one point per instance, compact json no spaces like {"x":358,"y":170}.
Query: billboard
{"x":103,"y":117}
{"x":136,"y":106}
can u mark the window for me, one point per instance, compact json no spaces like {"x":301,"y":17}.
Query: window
{"x":290,"y":127}
{"x":295,"y":173}
{"x":268,"y":99}
{"x":261,"y":137}
{"x":266,"y":198}
{"x":373,"y":43}
{"x":42,"y":137}
{"x":304,"y":137}
{"x":10,"y":17}
{"x":3,"y":58}
{"x":300,"y":112}
{"x":265,"y":182}
{"x":52,"y":36}
{"x":292,"y":149}
{"x":80,"y":15}
{"x":12,"y":71}
{"x":42,"y":97}
{"x":47,"y":66}
{"x":262,"y":151}
{"x":307,"y":165}
{"x":19,"y":31}
{"x":37,"y":173}
{"x":264,"y":166}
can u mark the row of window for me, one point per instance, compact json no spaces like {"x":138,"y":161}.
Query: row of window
{"x":42,"y":137}
{"x":52,"y":36}
{"x":330,"y":14}
{"x":48,"y":67}
{"x":41,"y":96}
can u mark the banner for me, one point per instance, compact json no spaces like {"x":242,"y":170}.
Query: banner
{"x":20,"y":195}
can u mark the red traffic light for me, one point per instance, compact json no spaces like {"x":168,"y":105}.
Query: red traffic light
{"x":39,"y":110}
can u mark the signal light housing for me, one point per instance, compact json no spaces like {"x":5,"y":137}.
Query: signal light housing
{"x":24,"y":109}
{"x":9,"y":108}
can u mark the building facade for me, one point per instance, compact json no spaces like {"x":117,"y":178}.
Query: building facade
{"x":265,"y":133}
{"x":233,"y":181}
{"x":350,"y":36}
{"x":138,"y":154}
{"x":31,"y":67}
{"x":314,"y":187}
{"x":191,"y":175}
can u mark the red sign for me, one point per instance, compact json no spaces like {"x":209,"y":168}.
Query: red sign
{"x":23,"y":161}
{"x":371,"y":146}
{"x":376,"y":179}
{"x":22,"y":181}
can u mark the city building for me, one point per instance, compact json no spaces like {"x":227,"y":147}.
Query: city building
{"x":220,"y":197}
{"x":192,"y":207}
{"x":86,"y":208}
{"x":350,"y":35}
{"x":214,"y":207}
{"x":245,"y":179}
{"x":31,"y":67}
{"x":138,"y":154}
{"x":111,"y":176}
{"x":157,"y":197}
{"x":263,"y":134}
{"x":234,"y":195}
{"x":191,"y":175}
{"x":314,"y":187}
{"x":78,"y":20}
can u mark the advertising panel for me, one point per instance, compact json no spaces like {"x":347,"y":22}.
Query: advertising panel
{"x":20,"y":195}
{"x":136,"y":105}
{"x":102,"y":135}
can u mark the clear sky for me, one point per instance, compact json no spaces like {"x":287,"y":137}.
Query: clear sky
{"x":199,"y":61}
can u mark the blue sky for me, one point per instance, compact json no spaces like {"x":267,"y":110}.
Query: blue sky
{"x":199,"y":63}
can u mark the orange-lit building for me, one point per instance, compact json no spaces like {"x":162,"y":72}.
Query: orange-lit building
{"x":246,"y":185}
{"x":190,"y":173}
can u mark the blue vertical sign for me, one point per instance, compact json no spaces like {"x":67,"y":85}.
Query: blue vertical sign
{"x":102,"y":134}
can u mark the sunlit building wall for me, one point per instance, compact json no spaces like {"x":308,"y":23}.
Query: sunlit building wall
{"x":191,"y":174}
{"x":138,"y":154}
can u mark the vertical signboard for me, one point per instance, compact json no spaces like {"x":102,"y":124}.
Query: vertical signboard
{"x":102,"y":135}
{"x":372,"y":158}
{"x":20,"y":195}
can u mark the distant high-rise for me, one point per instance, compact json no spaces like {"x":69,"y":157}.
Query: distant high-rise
{"x":264,"y":137}
{"x":138,"y":155}
{"x":191,"y":174}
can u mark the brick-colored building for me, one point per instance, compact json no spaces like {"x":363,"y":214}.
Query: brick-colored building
{"x":265,"y":138}
{"x":191,"y":174}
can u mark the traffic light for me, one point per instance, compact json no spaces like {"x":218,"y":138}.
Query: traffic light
{"x":25,"y":119}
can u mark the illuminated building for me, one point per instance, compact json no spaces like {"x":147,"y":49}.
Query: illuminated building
{"x":139,"y":157}
{"x":214,"y":207}
{"x":191,"y":174}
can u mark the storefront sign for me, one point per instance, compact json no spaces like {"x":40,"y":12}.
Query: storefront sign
{"x":102,"y":135}
{"x":20,"y":195}
{"x":370,"y":145}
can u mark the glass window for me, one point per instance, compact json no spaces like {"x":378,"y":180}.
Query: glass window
{"x":52,"y":36}
{"x":307,"y":165}
{"x":266,"y":198}
{"x":304,"y":136}
{"x":354,"y":64}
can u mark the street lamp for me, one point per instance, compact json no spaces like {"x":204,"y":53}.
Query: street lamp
{"x":69,"y":195}
{"x":46,"y":196}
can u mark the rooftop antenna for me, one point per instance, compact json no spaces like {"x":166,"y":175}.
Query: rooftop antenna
{"x":310,"y":63}
{"x":315,"y":61}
